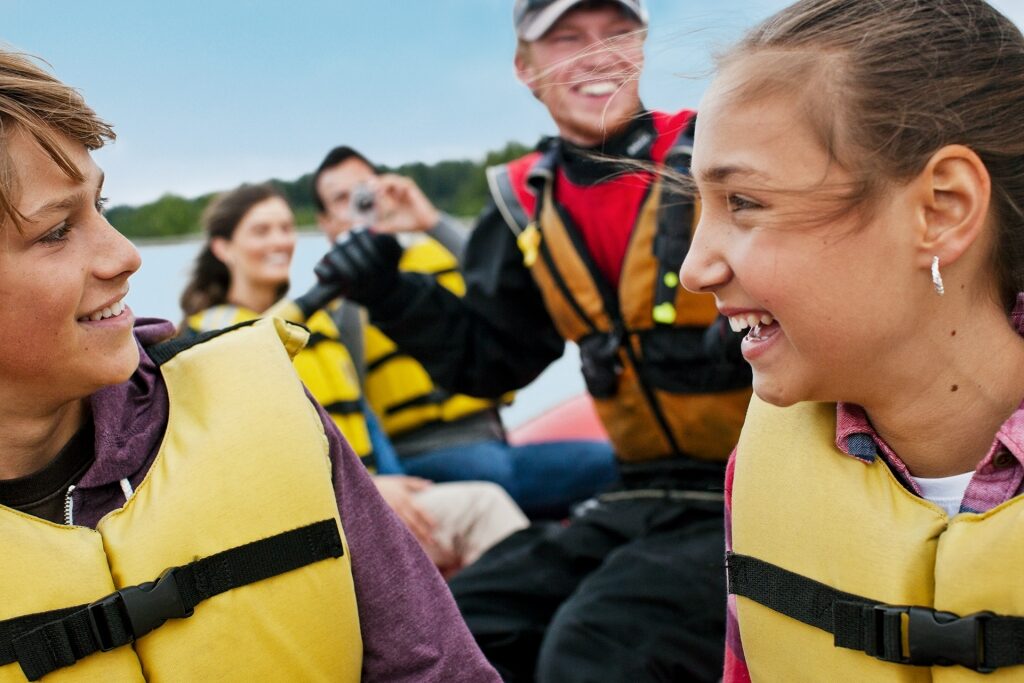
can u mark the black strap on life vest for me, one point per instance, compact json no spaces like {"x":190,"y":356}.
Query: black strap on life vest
{"x":162,"y":352}
{"x":344,"y":407}
{"x":675,"y":221}
{"x":982,"y":642}
{"x":47,"y":641}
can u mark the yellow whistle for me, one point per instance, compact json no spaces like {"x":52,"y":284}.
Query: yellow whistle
{"x":529,"y":243}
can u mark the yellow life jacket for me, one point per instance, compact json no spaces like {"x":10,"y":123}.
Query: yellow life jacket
{"x":864,"y":566}
{"x":657,"y":392}
{"x":242,"y":463}
{"x":398,"y":388}
{"x":324,"y":366}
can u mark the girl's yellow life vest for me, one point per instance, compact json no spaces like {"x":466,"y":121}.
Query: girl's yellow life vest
{"x":800,"y":503}
{"x":244,"y":458}
{"x":324,"y":365}
{"x":398,"y":388}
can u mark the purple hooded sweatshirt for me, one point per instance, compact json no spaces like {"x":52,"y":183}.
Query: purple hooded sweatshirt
{"x":412,"y":631}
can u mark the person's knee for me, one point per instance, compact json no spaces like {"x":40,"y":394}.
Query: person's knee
{"x":589,"y":646}
{"x":578,"y":648}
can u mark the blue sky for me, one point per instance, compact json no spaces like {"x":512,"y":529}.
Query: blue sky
{"x":207,"y":94}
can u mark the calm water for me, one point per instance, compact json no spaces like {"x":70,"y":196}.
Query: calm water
{"x":165,"y":267}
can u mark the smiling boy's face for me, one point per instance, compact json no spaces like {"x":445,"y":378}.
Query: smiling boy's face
{"x":586,"y":71}
{"x":64,"y":328}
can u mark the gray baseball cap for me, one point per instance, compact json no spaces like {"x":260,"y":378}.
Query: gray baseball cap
{"x":533,"y":18}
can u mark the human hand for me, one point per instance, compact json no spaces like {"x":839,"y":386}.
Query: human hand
{"x":402,"y":206}
{"x":362,"y":265}
{"x":398,"y":492}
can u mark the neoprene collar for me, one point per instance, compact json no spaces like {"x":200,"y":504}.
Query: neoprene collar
{"x":587,"y":165}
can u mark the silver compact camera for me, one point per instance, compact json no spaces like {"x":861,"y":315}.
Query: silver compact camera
{"x":363,"y":205}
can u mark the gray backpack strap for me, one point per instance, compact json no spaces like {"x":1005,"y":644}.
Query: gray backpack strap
{"x":505,"y":199}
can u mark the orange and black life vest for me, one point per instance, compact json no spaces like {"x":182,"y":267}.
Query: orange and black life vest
{"x":661,"y":381}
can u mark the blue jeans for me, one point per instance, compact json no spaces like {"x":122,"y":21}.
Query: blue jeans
{"x":545,"y":479}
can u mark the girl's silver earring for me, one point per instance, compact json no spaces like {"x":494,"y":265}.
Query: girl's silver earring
{"x":937,"y":277}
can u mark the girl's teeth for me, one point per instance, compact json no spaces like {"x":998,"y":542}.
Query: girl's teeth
{"x":738,"y":323}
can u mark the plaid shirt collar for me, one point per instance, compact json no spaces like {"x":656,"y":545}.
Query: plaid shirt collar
{"x":856,"y":437}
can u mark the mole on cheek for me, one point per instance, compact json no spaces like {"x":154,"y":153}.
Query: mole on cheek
{"x":953,"y":333}
{"x":954,"y":387}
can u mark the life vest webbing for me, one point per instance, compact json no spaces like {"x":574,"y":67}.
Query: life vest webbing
{"x":318,"y":338}
{"x":672,"y":237}
{"x":622,"y":332}
{"x":982,"y":642}
{"x":433,"y":398}
{"x":563,"y":287}
{"x":344,"y":407}
{"x":47,"y":641}
{"x":383,"y":360}
{"x":612,"y":309}
{"x":162,"y":352}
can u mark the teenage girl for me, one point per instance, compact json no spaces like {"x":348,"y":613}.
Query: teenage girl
{"x":861,"y":168}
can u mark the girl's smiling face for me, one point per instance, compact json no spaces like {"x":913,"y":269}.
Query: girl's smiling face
{"x":830,"y":295}
{"x":64,"y":329}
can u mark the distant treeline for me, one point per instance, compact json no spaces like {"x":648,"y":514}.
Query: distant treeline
{"x":456,"y":187}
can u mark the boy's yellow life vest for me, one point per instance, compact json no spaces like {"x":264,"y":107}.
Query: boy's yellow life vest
{"x":804,"y":507}
{"x":398,"y":388}
{"x":244,"y":458}
{"x":324,"y":366}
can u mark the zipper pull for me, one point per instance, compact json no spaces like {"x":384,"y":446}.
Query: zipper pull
{"x":69,"y":516}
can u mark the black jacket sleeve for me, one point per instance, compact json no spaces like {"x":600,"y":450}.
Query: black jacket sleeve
{"x":497,"y":338}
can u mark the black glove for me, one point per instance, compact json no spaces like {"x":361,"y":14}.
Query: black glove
{"x":362,"y":266}
{"x":318,"y":296}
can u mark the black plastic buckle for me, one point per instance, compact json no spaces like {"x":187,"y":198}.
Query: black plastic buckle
{"x":885,"y":639}
{"x":944,"y":639}
{"x":145,"y":607}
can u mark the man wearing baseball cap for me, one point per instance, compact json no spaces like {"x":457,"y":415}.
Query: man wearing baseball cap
{"x":582,"y":241}
{"x":533,"y":18}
